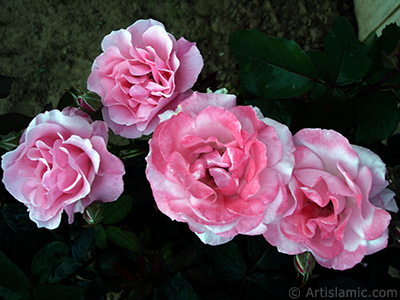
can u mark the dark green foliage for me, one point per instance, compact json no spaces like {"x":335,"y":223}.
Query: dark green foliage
{"x":268,"y":285}
{"x":124,"y":238}
{"x":11,"y":276}
{"x":271,"y":67}
{"x":346,"y":57}
{"x":377,"y":116}
{"x":177,"y":288}
{"x":227,"y":262}
{"x":350,"y":87}
{"x":116,"y":211}
{"x":47,"y":258}
{"x":265,"y":256}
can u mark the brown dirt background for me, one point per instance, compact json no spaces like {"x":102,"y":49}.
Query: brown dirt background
{"x":49,"y":45}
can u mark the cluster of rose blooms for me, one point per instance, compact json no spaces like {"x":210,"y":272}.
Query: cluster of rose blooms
{"x":221,"y":168}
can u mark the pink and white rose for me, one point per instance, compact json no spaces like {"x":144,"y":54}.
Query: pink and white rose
{"x":219,"y":167}
{"x":140,"y":73}
{"x":338,"y":201}
{"x":62,"y":164}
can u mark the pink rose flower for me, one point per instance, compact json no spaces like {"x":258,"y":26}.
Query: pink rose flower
{"x":62,"y":163}
{"x":220,"y":168}
{"x":140,"y":73}
{"x":338,"y":199}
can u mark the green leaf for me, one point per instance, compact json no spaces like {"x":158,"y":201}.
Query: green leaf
{"x":145,"y":235}
{"x":116,"y":211}
{"x":227,"y":262}
{"x":5,"y":85}
{"x":347,"y":56}
{"x":11,"y":276}
{"x":82,"y":244}
{"x":270,"y":67}
{"x":320,"y":60}
{"x":386,"y":43}
{"x":125,"y":239}
{"x":167,"y":250}
{"x":377,"y":116}
{"x":47,"y":258}
{"x":383,"y":77}
{"x":177,"y":288}
{"x":10,"y":141}
{"x":57,"y":291}
{"x":389,"y":38}
{"x":265,"y":256}
{"x":100,"y":236}
{"x":67,"y":267}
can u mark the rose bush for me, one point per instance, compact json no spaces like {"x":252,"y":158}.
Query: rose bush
{"x":140,"y":73}
{"x":219,"y":167}
{"x":62,"y":164}
{"x":338,"y":201}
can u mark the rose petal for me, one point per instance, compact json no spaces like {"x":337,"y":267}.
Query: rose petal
{"x":198,"y":102}
{"x":190,"y":65}
{"x":331,"y":147}
{"x":55,"y":165}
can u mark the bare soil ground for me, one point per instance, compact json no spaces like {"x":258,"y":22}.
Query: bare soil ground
{"x":49,"y":45}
